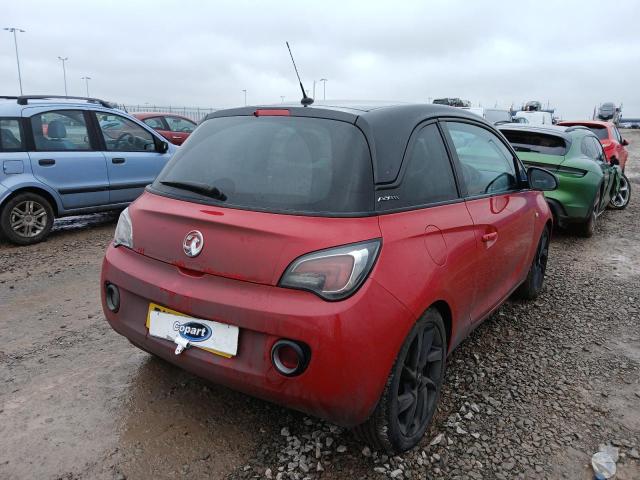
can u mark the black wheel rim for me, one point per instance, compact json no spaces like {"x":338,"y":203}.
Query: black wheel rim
{"x":419,"y":380}
{"x":540,"y":260}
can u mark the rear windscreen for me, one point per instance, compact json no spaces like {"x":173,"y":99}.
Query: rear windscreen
{"x":601,"y":132}
{"x":277,"y":164}
{"x":536,"y":142}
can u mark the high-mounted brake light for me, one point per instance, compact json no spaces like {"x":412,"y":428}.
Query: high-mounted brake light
{"x":271,"y":113}
{"x":335,"y":273}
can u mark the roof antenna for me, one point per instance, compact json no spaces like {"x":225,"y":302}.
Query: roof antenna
{"x":306,"y":101}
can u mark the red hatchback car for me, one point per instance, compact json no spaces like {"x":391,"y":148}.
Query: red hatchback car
{"x":609,"y":137}
{"x":329,"y":258}
{"x":174,"y":128}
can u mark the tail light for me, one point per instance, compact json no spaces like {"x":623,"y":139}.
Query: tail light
{"x":335,"y":273}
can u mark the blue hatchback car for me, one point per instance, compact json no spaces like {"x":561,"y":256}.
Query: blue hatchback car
{"x":62,"y":156}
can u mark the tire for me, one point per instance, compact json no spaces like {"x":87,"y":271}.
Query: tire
{"x":532,"y":286}
{"x":622,"y":197}
{"x":32,"y":207}
{"x":588,"y":228}
{"x":393,"y":426}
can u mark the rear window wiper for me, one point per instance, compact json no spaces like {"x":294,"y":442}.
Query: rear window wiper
{"x":201,"y":188}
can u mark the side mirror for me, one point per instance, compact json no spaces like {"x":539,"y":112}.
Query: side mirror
{"x":625,"y":142}
{"x":541,"y":179}
{"x":163,"y":147}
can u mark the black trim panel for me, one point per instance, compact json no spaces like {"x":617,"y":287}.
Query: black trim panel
{"x":121,"y":186}
{"x":124,"y":186}
{"x":71,"y":191}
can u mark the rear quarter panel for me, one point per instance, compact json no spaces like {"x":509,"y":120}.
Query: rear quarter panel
{"x":428,"y":256}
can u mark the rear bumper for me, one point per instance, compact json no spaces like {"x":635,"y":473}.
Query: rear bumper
{"x":353,"y":342}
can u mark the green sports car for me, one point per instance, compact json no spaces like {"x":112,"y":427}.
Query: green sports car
{"x":587,"y":184}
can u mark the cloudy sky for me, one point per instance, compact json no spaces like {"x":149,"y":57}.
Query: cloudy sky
{"x":573,"y":54}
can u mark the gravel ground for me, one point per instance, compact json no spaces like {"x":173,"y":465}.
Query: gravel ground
{"x":532,"y":393}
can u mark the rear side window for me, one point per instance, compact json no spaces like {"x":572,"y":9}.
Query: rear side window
{"x":177,"y":124}
{"x":11,"y":138}
{"x":277,"y":164}
{"x":61,"y":130}
{"x":487,"y":164}
{"x":536,"y":142}
{"x":592,"y":149}
{"x":428,"y":177}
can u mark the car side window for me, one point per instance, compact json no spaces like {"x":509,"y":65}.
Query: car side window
{"x":60,"y":130}
{"x":616,"y":133}
{"x":123,"y":135}
{"x":155,"y":122}
{"x":590,"y":149}
{"x":487,"y":164}
{"x":11,"y":138}
{"x":599,"y":151}
{"x":428,"y":177}
{"x":177,"y":124}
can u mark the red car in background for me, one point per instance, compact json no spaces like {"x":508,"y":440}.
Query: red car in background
{"x":610,"y":138}
{"x":174,"y":128}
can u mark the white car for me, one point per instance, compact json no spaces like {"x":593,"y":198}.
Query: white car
{"x":536,"y":117}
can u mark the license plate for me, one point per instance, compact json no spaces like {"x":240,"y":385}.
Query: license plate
{"x":214,"y":337}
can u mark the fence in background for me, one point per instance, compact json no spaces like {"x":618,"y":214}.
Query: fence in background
{"x":194,"y":113}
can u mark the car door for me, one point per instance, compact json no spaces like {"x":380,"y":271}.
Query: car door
{"x":65,"y":156}
{"x":133,"y":155}
{"x":180,"y":128}
{"x":503,"y":214}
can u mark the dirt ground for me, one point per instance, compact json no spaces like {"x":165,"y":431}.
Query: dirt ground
{"x":531,"y":393}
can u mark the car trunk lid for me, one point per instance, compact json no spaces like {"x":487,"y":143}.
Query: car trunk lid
{"x":237,"y":244}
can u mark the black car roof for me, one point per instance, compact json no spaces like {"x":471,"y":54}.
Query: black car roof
{"x":387,"y":125}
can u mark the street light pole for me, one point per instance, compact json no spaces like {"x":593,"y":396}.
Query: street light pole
{"x":86,"y":80}
{"x":245,"y":97}
{"x":64,"y":73}
{"x":324,"y":88}
{"x":15,"y":42}
{"x":314,"y":90}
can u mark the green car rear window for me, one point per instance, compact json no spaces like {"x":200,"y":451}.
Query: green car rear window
{"x":276,"y":164}
{"x":535,"y":142}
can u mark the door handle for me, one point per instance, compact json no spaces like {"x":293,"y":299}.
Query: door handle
{"x":488,"y":237}
{"x":46,"y":161}
{"x":117,"y":160}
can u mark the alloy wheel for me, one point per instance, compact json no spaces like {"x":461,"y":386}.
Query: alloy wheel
{"x":28,"y":219}
{"x":418,"y":387}
{"x":540,"y":260}
{"x":621,"y":198}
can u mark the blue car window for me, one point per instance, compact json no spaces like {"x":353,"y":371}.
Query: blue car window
{"x":11,"y":139}
{"x":123,"y":135}
{"x":60,"y":130}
